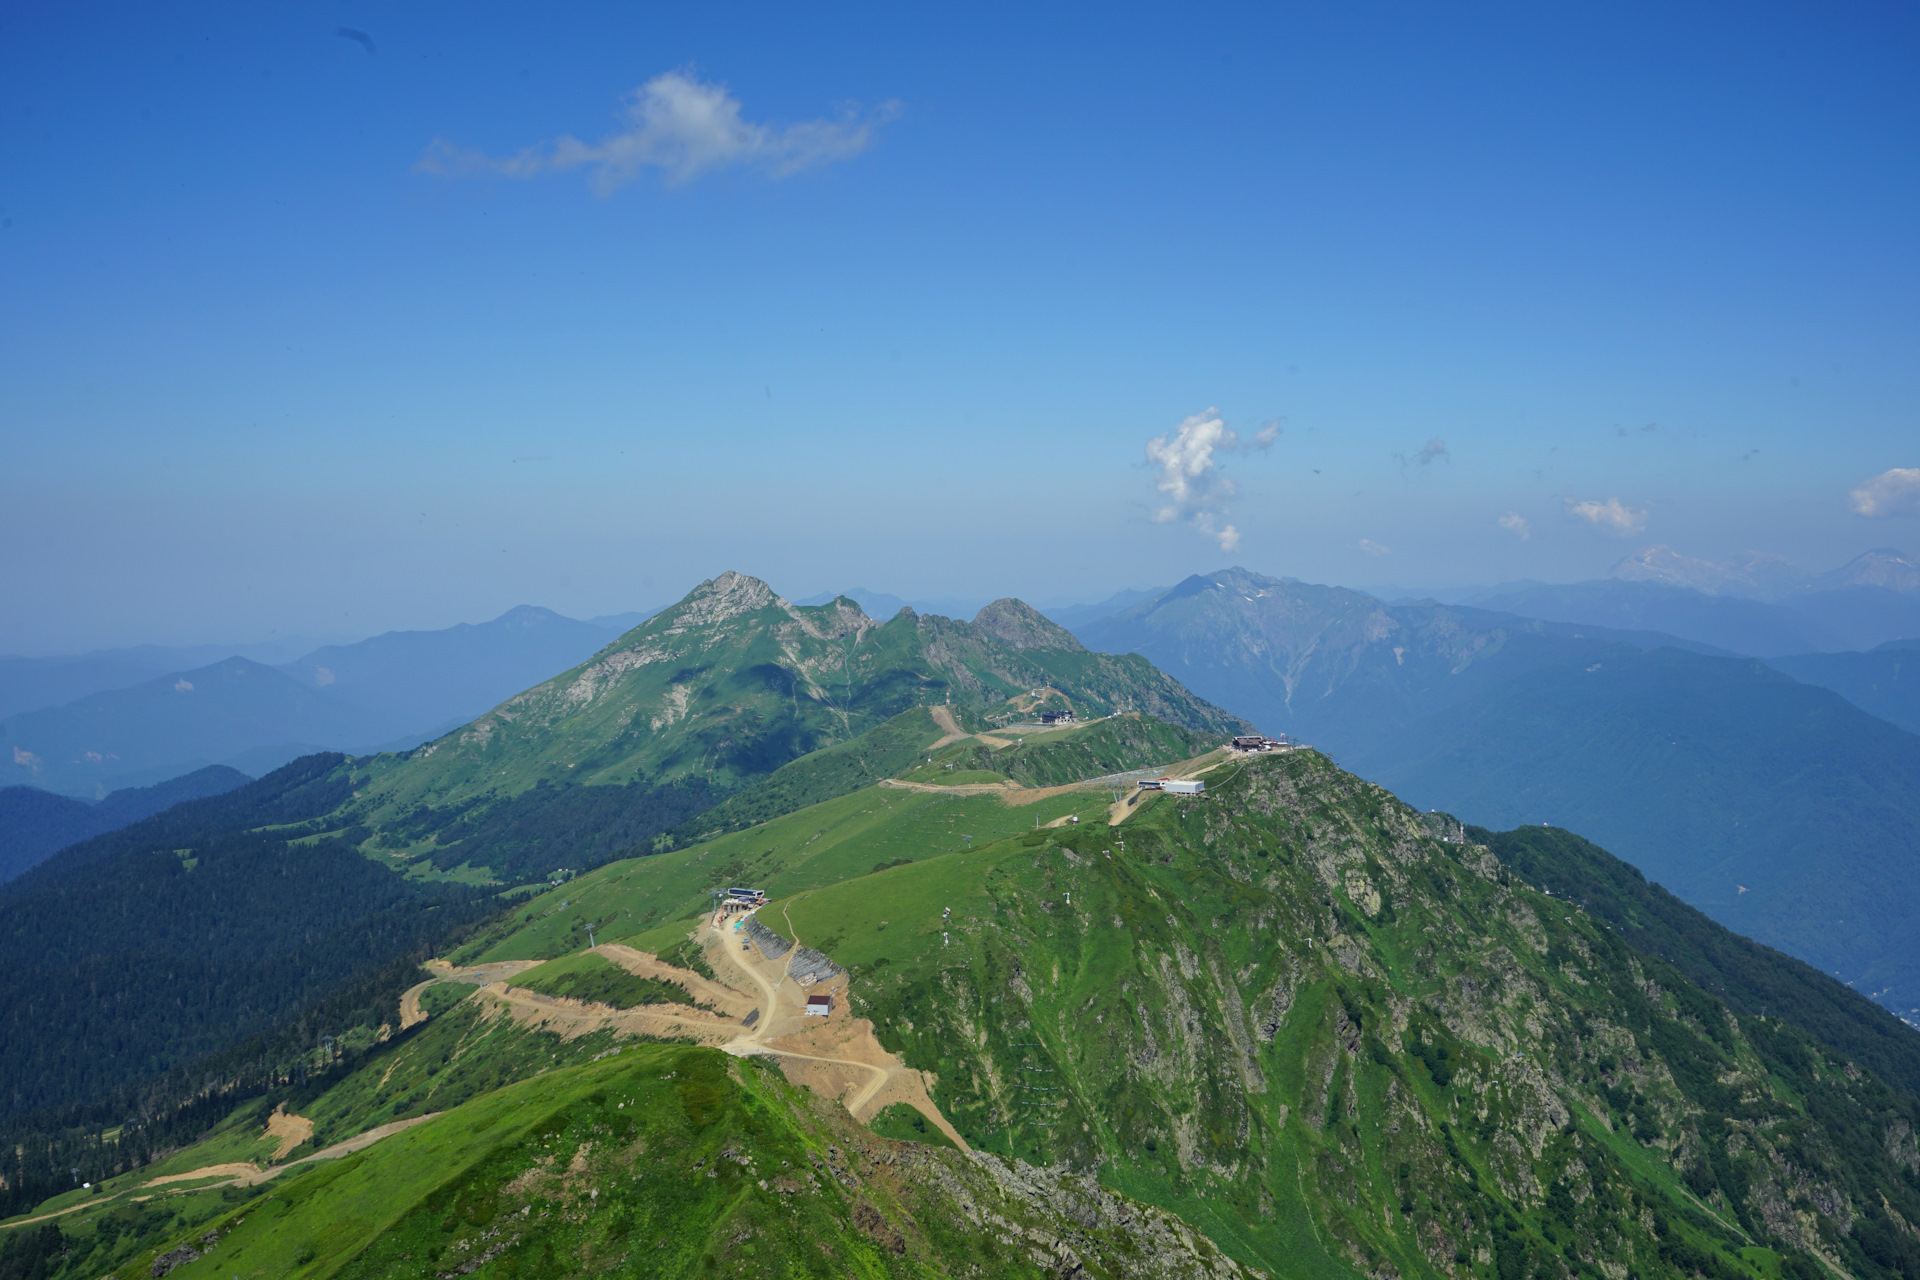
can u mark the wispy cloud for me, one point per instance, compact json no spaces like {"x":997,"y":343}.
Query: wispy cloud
{"x":1608,"y":515}
{"x":1373,"y":548}
{"x":1516,"y":524}
{"x":1187,"y":459}
{"x":681,"y":126}
{"x":1891,"y":493}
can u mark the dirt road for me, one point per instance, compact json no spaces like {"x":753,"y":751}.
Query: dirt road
{"x":237,"y":1174}
{"x":837,"y":1056}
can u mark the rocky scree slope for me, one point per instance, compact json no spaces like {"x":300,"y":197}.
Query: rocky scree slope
{"x":1338,"y":1044}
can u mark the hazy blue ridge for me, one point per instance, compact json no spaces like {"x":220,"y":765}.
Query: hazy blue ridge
{"x":34,"y":824}
{"x":390,"y":692}
{"x":1884,"y":681}
{"x":1784,"y":811}
{"x":417,"y":680}
{"x":1752,"y":627}
{"x":1707,"y":772}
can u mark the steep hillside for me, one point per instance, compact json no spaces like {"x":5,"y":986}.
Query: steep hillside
{"x":1286,"y":1010}
{"x":127,"y":954}
{"x":1782,"y":810}
{"x":1707,"y":773}
{"x":1337,"y":1044}
{"x":650,"y":1160}
{"x":1750,"y":979}
{"x":712,"y":696}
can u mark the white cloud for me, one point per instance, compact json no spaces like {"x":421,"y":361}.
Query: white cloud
{"x":1373,"y":548}
{"x":1891,"y":493}
{"x":1187,"y":459}
{"x":1609,"y":515}
{"x":26,"y":759}
{"x":1435,"y":448}
{"x":680,"y":126}
{"x":183,"y":685}
{"x":1516,"y":524}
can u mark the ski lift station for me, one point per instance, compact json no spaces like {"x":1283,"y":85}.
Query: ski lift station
{"x":742,"y":899}
{"x":821,"y":1005}
{"x":1174,"y":786}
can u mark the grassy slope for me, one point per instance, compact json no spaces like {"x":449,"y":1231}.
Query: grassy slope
{"x":652,"y":1160}
{"x":880,"y":752}
{"x":597,"y":980}
{"x":1061,"y":756}
{"x":819,"y":845}
{"x":1222,"y":1025}
{"x":719,"y":701}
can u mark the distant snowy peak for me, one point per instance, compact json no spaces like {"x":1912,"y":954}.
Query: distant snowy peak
{"x":1751,"y":573}
{"x":1882,"y":567}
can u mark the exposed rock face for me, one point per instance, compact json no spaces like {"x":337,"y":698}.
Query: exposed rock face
{"x":1291,"y":993}
{"x":1019,"y":625}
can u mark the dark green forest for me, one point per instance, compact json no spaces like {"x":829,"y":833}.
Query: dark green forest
{"x":189,"y":932}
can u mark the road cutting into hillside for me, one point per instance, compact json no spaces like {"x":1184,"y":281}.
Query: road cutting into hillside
{"x":248,"y":1175}
{"x":949,"y":727}
{"x":235,"y":1173}
{"x":479,"y":975}
{"x":837,"y":1056}
{"x":1011,"y":793}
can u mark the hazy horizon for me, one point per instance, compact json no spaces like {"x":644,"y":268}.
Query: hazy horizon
{"x":335,"y":324}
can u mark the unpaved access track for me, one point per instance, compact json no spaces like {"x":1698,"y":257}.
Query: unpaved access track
{"x":757,"y":1009}
{"x":837,"y":1056}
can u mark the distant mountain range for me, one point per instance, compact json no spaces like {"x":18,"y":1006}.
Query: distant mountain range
{"x":1769,"y":577}
{"x":131,"y":726}
{"x":1884,"y":681}
{"x":1782,"y":809}
{"x":1755,"y":604}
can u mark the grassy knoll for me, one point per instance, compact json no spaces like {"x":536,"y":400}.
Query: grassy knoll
{"x":598,"y":980}
{"x":820,"y":845}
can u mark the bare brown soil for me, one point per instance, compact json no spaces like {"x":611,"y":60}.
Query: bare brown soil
{"x":290,"y":1129}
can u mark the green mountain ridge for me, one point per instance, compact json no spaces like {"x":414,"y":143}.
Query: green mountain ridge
{"x":1780,"y":808}
{"x":711,"y":697}
{"x":1286,"y":1011}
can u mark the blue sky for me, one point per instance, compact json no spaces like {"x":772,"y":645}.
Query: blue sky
{"x":304,"y":331}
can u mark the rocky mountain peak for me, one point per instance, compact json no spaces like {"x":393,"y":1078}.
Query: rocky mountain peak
{"x":727,"y":596}
{"x":1019,"y":625}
